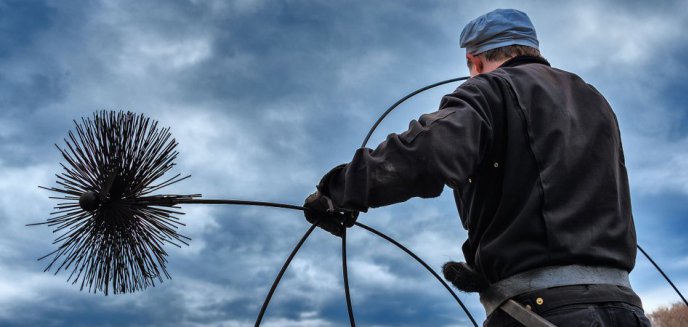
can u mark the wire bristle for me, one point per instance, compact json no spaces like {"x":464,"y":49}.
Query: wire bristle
{"x":112,"y":241}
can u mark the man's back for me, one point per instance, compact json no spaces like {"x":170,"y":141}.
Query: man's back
{"x":557,"y":191}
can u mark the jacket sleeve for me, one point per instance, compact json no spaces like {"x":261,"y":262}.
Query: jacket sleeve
{"x":440,"y":148}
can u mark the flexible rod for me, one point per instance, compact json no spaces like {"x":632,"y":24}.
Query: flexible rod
{"x":303,"y":239}
{"x":408,"y":96}
{"x":365,"y":142}
{"x":663,"y":274}
{"x":238,"y":202}
{"x":419,"y":260}
{"x":281,"y":273}
{"x":345,"y":274}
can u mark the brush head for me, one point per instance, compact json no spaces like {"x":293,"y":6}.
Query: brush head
{"x":113,"y":230}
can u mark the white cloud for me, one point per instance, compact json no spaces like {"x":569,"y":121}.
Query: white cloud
{"x":681,"y":263}
{"x":22,"y":203}
{"x":662,"y":167}
{"x":297,"y":323}
{"x":200,"y":221}
{"x":141,"y":52}
{"x":20,"y":185}
{"x":312,"y":275}
{"x":237,"y":7}
{"x":629,"y":38}
{"x":662,"y":296}
{"x":19,"y":287}
{"x":202,"y":299}
{"x":371,"y":274}
{"x":230,"y":159}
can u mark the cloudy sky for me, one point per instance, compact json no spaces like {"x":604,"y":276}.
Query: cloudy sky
{"x":266,"y":96}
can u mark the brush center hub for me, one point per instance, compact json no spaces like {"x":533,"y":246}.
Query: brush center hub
{"x":89,"y":201}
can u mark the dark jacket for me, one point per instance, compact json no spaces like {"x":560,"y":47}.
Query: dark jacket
{"x":534,"y":157}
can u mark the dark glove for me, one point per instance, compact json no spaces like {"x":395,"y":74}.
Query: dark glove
{"x":321,"y":211}
{"x":464,"y":277}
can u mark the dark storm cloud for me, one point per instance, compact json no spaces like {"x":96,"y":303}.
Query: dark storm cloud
{"x":264,"y":97}
{"x":20,"y":23}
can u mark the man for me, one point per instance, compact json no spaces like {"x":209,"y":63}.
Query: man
{"x":534,"y":157}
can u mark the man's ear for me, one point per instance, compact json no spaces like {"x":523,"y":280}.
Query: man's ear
{"x":477,"y":65}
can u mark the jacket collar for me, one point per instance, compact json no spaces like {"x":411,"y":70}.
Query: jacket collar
{"x":522,"y":60}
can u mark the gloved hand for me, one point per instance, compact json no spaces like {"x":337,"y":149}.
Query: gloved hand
{"x":464,"y":277}
{"x":321,"y":211}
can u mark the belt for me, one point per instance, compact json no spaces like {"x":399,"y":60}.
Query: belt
{"x":548,"y":277}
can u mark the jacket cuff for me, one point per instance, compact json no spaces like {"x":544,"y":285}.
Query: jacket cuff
{"x":324,"y":184}
{"x":328,"y":187}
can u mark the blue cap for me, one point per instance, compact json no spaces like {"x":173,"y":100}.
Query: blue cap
{"x":498,"y":28}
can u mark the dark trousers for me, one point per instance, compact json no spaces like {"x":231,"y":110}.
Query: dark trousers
{"x":609,"y":314}
{"x":579,"y":305}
